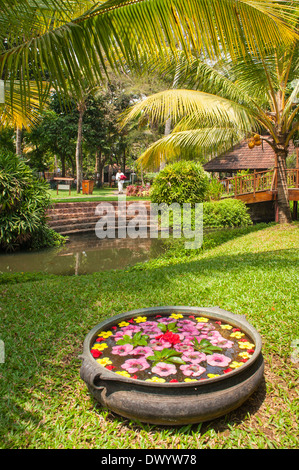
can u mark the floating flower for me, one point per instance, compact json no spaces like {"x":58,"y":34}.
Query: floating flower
{"x":190,"y":380}
{"x":245,"y":355}
{"x":192,"y":370}
{"x":173,"y":381}
{"x":211,"y":376}
{"x":135,"y":365}
{"x":104,"y":361}
{"x":123,"y":323}
{"x":156,"y":379}
{"x":176,"y":316}
{"x":100,"y":347}
{"x":245,"y":345}
{"x":105,"y":334}
{"x":227,"y":370}
{"x":142,"y":351}
{"x":193,"y":356}
{"x":236,"y":364}
{"x":163,"y":369}
{"x":226,"y":327}
{"x":222,"y":343}
{"x":169,"y":337}
{"x":237,"y":334}
{"x":96,"y":353}
{"x":110,"y":367}
{"x":218,"y":360}
{"x":140,"y":319}
{"x":123,"y":373}
{"x":122,"y":349}
{"x":184,"y":346}
{"x":158,"y":345}
{"x":202,"y":319}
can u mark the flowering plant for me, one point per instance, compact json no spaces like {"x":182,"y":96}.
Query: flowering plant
{"x":173,"y":348}
{"x":122,"y":177}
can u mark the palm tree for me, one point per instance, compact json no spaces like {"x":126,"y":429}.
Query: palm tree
{"x":235,"y":101}
{"x":61,"y":39}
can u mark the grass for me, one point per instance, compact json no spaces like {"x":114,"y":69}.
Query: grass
{"x":99,"y":194}
{"x":45,"y":319}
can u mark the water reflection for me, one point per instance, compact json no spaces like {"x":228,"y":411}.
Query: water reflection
{"x":84,"y":254}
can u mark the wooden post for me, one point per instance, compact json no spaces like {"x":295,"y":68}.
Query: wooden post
{"x":254,"y":182}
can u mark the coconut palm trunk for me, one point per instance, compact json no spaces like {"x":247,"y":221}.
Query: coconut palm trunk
{"x":283,"y":205}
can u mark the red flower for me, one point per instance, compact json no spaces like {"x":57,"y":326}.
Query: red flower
{"x":110,"y":367}
{"x":250,"y":351}
{"x":98,"y":340}
{"x":169,"y":337}
{"x":236,"y":329}
{"x":243,"y":340}
{"x":173,"y":381}
{"x":113,"y":328}
{"x":218,"y":322}
{"x":192,"y":317}
{"x":96,"y":353}
{"x":227,"y":370}
{"x":134,"y":376}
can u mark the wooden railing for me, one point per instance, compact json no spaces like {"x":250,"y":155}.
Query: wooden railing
{"x":257,"y":181}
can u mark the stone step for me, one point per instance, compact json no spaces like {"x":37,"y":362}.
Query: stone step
{"x":81,"y":228}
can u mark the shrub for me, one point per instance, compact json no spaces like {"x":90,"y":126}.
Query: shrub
{"x":137,"y":191}
{"x":181,"y":182}
{"x":226,"y":213}
{"x":23,"y":203}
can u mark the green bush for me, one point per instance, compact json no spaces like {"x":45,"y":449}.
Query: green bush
{"x":23,"y":203}
{"x":181,"y":182}
{"x":226,"y":213}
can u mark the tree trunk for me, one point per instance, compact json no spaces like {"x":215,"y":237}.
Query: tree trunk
{"x":284,"y":211}
{"x":81,"y":109}
{"x":19,"y":141}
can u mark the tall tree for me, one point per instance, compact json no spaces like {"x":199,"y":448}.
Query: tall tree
{"x":62,"y":39}
{"x":234,"y":101}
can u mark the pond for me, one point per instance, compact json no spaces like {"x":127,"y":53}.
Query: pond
{"x":84,"y":254}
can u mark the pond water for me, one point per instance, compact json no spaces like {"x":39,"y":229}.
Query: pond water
{"x":84,"y":254}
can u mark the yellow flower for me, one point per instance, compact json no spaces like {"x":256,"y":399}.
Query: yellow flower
{"x":123,"y":323}
{"x":140,"y":319}
{"x":245,"y":355}
{"x":211,"y":376}
{"x":245,"y":345}
{"x":104,"y":361}
{"x":190,"y":380}
{"x":235,"y":364}
{"x":100,"y":346}
{"x":237,"y":334}
{"x":105,"y":334}
{"x":226,"y":327}
{"x":156,"y":379}
{"x":202,"y":319}
{"x":176,"y":316}
{"x":124,"y":373}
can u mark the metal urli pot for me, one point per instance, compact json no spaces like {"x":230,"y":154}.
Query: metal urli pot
{"x":173,"y":403}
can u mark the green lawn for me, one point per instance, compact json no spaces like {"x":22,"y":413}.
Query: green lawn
{"x":45,"y":318}
{"x":99,"y":194}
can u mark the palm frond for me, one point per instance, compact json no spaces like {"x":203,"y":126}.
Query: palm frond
{"x":194,"y":144}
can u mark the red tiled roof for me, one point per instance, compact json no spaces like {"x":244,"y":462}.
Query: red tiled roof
{"x":241,"y":157}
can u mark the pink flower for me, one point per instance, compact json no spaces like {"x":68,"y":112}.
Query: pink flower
{"x":158,"y":345}
{"x":135,"y":365}
{"x":192,"y":370}
{"x":184,"y":346}
{"x":218,"y":360}
{"x":222,"y":343}
{"x":164,"y":369}
{"x":122,"y":349}
{"x":194,"y":356}
{"x":142,"y":351}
